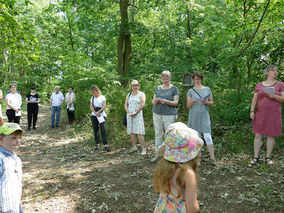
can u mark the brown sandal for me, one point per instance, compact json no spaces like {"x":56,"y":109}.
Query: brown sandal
{"x":253,"y":161}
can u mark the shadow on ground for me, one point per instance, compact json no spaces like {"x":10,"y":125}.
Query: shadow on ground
{"x":62,"y":173}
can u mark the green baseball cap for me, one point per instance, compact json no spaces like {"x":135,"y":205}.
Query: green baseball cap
{"x":9,"y":128}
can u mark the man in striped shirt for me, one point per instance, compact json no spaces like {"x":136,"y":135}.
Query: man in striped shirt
{"x":10,"y":168}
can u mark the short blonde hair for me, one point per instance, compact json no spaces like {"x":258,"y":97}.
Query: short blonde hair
{"x":166,"y":74}
{"x":268,"y":68}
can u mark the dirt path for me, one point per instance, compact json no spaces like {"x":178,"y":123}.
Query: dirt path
{"x":63,"y":174}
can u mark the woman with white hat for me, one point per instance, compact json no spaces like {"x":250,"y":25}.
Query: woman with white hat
{"x":134,"y":103}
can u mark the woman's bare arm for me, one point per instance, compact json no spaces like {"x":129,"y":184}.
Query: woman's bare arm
{"x":189,"y":102}
{"x":170,"y":103}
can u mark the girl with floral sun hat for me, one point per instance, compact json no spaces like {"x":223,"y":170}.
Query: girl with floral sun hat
{"x":175,"y":177}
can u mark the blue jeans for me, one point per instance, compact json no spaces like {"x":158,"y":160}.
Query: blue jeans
{"x":57,"y":110}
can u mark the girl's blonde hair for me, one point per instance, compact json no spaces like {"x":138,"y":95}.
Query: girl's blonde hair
{"x":165,"y":171}
{"x":96,"y":88}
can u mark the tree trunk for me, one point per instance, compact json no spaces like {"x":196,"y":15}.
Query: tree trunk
{"x":238,"y":82}
{"x":188,"y":35}
{"x":124,"y":44}
{"x":249,"y":68}
{"x":70,"y":30}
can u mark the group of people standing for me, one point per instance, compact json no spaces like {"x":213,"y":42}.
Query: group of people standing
{"x":56,"y":101}
{"x":165,"y":103}
{"x":181,"y":144}
{"x":267,"y":118}
{"x":165,"y":100}
{"x":14,"y":106}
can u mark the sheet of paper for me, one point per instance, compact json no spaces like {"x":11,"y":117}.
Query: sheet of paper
{"x":101,"y":119}
{"x":19,"y":113}
{"x":269,"y":90}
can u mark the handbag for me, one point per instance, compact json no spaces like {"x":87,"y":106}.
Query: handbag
{"x":124,"y":122}
{"x":95,"y":108}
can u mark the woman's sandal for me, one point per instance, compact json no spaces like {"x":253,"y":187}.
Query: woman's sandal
{"x":268,"y":161}
{"x":253,"y":161}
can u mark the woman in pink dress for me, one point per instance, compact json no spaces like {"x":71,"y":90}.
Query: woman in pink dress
{"x":268,"y":96}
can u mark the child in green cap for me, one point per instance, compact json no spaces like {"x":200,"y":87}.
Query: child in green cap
{"x":10,"y":168}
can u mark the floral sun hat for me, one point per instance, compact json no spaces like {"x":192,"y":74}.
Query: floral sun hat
{"x":181,"y":143}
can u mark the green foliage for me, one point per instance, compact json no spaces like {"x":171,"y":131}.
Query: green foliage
{"x":74,"y":43}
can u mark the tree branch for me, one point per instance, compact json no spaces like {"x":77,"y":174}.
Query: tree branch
{"x":256,"y":30}
{"x":132,"y":5}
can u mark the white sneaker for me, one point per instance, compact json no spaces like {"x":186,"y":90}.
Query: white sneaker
{"x":155,"y":158}
{"x":133,"y":149}
{"x":144,"y":152}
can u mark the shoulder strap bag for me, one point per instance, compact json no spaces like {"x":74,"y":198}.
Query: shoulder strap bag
{"x":124,"y":122}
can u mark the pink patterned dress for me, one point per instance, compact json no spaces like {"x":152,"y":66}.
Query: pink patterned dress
{"x":268,"y":117}
{"x":171,"y":203}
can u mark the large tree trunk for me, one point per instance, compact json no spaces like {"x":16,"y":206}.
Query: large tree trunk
{"x":124,"y":44}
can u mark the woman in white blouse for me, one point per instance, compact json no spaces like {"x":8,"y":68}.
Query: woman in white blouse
{"x":14,"y":103}
{"x":70,"y":99}
{"x":97,"y":106}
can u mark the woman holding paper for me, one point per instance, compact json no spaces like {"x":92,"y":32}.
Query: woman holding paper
{"x":98,"y":117}
{"x":199,"y":99}
{"x":134,"y":103}
{"x":70,"y":99}
{"x":266,"y":113}
{"x":14,"y":103}
{"x":164,"y":109}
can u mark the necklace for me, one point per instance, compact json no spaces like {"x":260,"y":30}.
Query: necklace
{"x":267,"y":83}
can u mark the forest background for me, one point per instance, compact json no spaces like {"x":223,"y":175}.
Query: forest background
{"x":79,"y":43}
{"x":109,"y":43}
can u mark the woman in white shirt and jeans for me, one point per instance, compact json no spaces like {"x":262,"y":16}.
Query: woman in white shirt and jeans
{"x":97,"y":106}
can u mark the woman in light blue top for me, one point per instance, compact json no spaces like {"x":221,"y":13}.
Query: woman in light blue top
{"x":199,"y":99}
